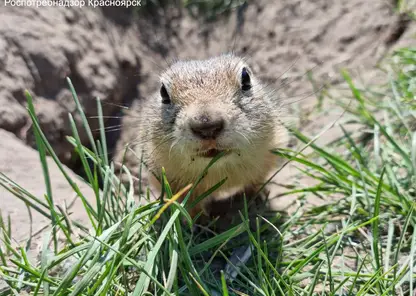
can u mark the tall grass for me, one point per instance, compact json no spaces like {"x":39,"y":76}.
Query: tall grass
{"x":361,"y":241}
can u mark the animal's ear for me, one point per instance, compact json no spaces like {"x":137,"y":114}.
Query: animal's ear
{"x":245,"y":79}
{"x":165,"y":95}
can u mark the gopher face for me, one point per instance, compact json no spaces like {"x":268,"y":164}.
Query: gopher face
{"x":214,"y":105}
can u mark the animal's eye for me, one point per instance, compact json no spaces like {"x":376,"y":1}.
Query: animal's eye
{"x":164,"y":94}
{"x":245,"y":80}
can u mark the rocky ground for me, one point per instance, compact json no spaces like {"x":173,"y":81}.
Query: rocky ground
{"x":116,"y":55}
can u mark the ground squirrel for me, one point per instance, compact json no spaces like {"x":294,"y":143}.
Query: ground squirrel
{"x":204,"y":107}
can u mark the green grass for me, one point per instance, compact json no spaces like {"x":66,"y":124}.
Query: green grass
{"x":360,"y":241}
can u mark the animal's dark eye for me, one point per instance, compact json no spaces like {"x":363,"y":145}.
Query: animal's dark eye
{"x":164,"y":94}
{"x":245,"y":80}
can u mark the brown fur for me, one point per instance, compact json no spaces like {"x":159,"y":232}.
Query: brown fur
{"x":253,"y":127}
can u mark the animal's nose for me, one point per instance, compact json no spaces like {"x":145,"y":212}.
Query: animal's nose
{"x":206,"y":128}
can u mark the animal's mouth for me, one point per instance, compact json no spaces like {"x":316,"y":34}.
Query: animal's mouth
{"x":209,"y":149}
{"x":211,"y":153}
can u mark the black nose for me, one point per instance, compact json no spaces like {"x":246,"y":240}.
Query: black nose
{"x":206,"y":128}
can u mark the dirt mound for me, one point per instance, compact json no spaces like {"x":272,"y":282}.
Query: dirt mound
{"x":40,"y":47}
